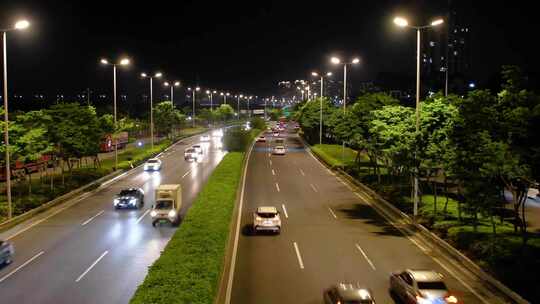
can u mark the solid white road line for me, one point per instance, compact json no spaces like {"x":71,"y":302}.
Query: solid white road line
{"x":285,"y":211}
{"x":365,"y":257}
{"x":228,"y":293}
{"x":91,"y":266}
{"x":142,"y":216}
{"x":21,"y":266}
{"x":277,"y":187}
{"x":300,"y":262}
{"x":313,"y":187}
{"x":273,"y":172}
{"x":332,"y":212}
{"x":93,"y":217}
{"x":302,"y":172}
{"x":270,"y":162}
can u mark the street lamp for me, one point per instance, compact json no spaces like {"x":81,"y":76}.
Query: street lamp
{"x":156,"y":75}
{"x":172,"y":85}
{"x":315,"y":74}
{"x":19,"y":25}
{"x":122,"y":62}
{"x":193,"y":101}
{"x":402,"y":22}
{"x":238,"y":104}
{"x":211,"y":94}
{"x":336,"y":61}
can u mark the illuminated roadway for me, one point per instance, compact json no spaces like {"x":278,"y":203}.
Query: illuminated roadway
{"x":92,"y":253}
{"x":329,"y":235}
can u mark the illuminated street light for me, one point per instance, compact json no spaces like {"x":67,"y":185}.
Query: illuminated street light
{"x":193,"y":102}
{"x":124,"y":62}
{"x":156,"y":75}
{"x":336,"y":60}
{"x":315,"y":74}
{"x":19,"y":25}
{"x":402,"y":22}
{"x":172,"y":85}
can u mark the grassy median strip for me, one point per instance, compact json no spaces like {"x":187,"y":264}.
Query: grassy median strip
{"x":189,"y":269}
{"x":333,"y":155}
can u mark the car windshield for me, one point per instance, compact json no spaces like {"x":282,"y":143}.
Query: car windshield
{"x":163,"y":205}
{"x":266,"y":214}
{"x":153,"y":161}
{"x":127,"y":192}
{"x":196,"y":146}
{"x":190,"y":150}
{"x":437,"y":285}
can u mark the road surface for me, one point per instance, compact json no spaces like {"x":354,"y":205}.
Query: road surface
{"x":329,"y":235}
{"x":92,"y":253}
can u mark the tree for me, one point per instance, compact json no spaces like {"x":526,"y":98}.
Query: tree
{"x":308,"y":115}
{"x":166,"y":117}
{"x":225,"y":112}
{"x":257,"y":123}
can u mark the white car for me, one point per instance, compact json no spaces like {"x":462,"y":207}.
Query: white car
{"x":205,"y":137}
{"x":153,"y":164}
{"x":190,"y":154}
{"x":276,"y":134}
{"x":278,"y":150}
{"x":261,"y":139}
{"x":198,"y":148}
{"x":266,"y":219}
{"x":217,"y":133}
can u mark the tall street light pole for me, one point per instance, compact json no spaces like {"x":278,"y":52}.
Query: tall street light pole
{"x":336,"y":60}
{"x":172,"y":85}
{"x":196,"y":89}
{"x":19,"y":25}
{"x":321,"y":102}
{"x":238,"y":104}
{"x":402,"y":22}
{"x":156,"y":75}
{"x":211,"y":94}
{"x":122,"y":62}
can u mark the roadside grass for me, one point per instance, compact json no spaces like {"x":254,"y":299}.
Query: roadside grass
{"x":80,"y":176}
{"x":189,"y":269}
{"x":334,"y":155}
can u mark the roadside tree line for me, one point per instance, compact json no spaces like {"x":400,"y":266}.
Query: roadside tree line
{"x":480,"y":144}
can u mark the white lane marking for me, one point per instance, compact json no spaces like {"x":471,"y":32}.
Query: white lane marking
{"x":92,"y":266}
{"x":93,"y":217}
{"x":270,"y":162}
{"x":313,"y":187}
{"x":235,"y":246}
{"x":461,"y":281}
{"x":302,"y":172}
{"x":332,"y":212}
{"x":277,"y":187}
{"x":186,"y":174}
{"x":366,"y":257}
{"x":300,"y":262}
{"x":21,"y":266}
{"x":273,"y":172}
{"x":142,"y":216}
{"x":285,"y":211}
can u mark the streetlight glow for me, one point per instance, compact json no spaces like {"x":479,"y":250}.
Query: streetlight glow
{"x":437,"y":22}
{"x":158,"y":74}
{"x":401,"y":22}
{"x":335,"y":60}
{"x":22,"y":24}
{"x":166,"y":84}
{"x":207,"y":92}
{"x":104,"y":61}
{"x":314,"y":74}
{"x":197,"y":89}
{"x":143,"y":75}
{"x":329,"y":74}
{"x":177,"y":83}
{"x":356,"y":60}
{"x":124,"y":61}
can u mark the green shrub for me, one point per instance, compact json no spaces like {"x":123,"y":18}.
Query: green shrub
{"x":257,"y":123}
{"x":189,"y":269}
{"x":236,"y":139}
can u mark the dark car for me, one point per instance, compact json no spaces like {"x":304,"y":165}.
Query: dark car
{"x":129,"y":198}
{"x":348,"y":293}
{"x":420,"y":286}
{"x":6,"y":252}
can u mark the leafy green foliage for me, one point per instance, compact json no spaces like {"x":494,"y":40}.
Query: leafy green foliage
{"x":257,"y":123}
{"x":189,"y":268}
{"x":167,"y":117}
{"x":237,"y":139}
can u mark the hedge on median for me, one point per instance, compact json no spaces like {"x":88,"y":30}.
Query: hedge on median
{"x":189,"y":269}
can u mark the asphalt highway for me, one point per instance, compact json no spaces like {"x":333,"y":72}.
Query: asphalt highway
{"x":329,"y":235}
{"x":89,"y":252}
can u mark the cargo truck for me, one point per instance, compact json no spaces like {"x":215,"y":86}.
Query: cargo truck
{"x":167,"y":204}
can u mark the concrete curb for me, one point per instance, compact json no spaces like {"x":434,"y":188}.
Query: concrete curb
{"x":74,"y":193}
{"x":455,"y":255}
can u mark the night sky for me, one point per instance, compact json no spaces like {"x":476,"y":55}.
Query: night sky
{"x":242,"y":47}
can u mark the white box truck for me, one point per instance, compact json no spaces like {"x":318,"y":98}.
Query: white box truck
{"x":167,"y":205}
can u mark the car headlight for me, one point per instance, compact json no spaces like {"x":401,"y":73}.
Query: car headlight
{"x":132,"y":201}
{"x":172,"y":213}
{"x":145,"y":167}
{"x":116,"y":201}
{"x":153,"y":213}
{"x":451,"y":299}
